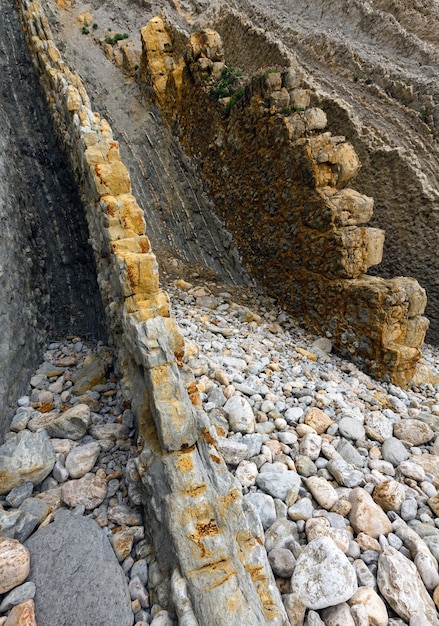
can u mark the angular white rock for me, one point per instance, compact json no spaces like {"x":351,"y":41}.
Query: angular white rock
{"x":323,"y":575}
{"x":240,"y":415}
{"x":401,"y":585}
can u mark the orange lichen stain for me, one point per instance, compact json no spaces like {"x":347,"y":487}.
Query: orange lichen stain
{"x":204,"y":552}
{"x":215,"y":458}
{"x":243,"y":536}
{"x":144,"y":244}
{"x":195,"y":492}
{"x":208,"y":438}
{"x":99,"y":174}
{"x":219,"y":571}
{"x":131,"y":275}
{"x":185,"y":463}
{"x":259,"y":578}
{"x":194,"y":394}
{"x":207,"y":529}
{"x":46,"y":407}
{"x":230,"y":497}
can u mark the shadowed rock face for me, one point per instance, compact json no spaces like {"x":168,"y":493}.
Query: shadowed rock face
{"x":47,"y":275}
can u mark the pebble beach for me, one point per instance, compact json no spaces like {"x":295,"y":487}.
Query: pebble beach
{"x":342,"y":470}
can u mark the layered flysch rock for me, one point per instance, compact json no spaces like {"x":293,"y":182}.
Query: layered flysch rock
{"x":282,"y":185}
{"x":197,"y":519}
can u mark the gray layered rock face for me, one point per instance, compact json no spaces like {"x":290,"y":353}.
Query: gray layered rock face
{"x":77,"y":575}
{"x":47,"y":275}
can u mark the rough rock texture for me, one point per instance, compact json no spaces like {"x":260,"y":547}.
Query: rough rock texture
{"x":14,"y":564}
{"x":46,"y":273}
{"x":68,"y":559}
{"x":197,"y":518}
{"x":273,"y":172}
{"x":372,"y":67}
{"x":25,"y":457}
{"x":22,"y":615}
{"x":402,"y":587}
{"x":323,"y":575}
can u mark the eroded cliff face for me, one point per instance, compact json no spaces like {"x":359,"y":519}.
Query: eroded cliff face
{"x":48,"y":279}
{"x":282,"y":184}
{"x":372,"y":65}
{"x":372,"y":68}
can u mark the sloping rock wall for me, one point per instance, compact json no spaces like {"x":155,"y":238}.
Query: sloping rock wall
{"x":47,"y":274}
{"x":202,"y":535}
{"x":281,"y":183}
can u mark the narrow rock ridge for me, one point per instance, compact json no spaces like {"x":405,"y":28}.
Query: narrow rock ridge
{"x":208,"y":538}
{"x":275,"y":174}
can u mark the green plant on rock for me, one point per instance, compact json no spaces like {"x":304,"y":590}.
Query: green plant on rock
{"x":117,"y":37}
{"x":292,"y":110}
{"x":227,"y":85}
{"x":234,"y":99}
{"x":95,"y":26}
{"x":84,"y":30}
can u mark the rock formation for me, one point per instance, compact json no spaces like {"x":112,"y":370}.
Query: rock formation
{"x":281,"y":185}
{"x":199,"y":525}
{"x":207,"y":537}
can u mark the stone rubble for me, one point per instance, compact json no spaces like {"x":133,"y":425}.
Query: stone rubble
{"x":341,"y":470}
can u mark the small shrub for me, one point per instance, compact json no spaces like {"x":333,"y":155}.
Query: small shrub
{"x":234,"y":99}
{"x":84,"y":30}
{"x":95,"y":26}
{"x":117,"y":37}
{"x":226,"y":86}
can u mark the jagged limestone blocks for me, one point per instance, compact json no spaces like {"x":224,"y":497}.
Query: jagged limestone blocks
{"x":282,"y":184}
{"x":206,"y":541}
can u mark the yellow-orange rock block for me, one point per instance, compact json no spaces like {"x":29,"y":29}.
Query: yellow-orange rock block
{"x":156,"y":42}
{"x":146,"y":307}
{"x":141,"y":273}
{"x":105,"y":129}
{"x":85,"y":18}
{"x":73,"y":99}
{"x":139,"y":245}
{"x":53,"y":52}
{"x":111,"y":178}
{"x":125,"y":214}
{"x":102,"y":151}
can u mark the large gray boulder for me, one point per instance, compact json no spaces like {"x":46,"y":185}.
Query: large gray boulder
{"x":77,"y":575}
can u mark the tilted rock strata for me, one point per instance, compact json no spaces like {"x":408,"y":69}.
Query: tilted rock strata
{"x":274,"y":174}
{"x":192,"y":501}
